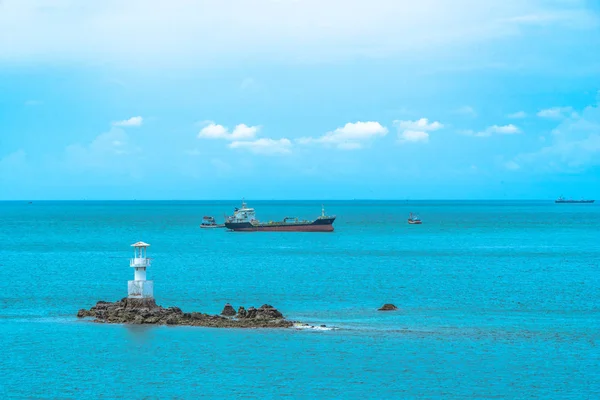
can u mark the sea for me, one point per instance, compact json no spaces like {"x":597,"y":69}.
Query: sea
{"x":496,"y":299}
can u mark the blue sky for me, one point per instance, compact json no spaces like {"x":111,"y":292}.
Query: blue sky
{"x":299,"y":99}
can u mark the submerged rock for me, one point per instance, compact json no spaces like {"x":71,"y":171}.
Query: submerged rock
{"x":388,"y":307}
{"x":146,"y":311}
{"x":228,"y":310}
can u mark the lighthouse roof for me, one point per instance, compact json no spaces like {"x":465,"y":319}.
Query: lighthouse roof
{"x":140,"y":244}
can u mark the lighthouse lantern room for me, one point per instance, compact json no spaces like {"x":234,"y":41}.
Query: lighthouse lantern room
{"x":139,"y":287}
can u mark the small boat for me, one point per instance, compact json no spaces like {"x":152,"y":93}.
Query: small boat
{"x":209,"y":222}
{"x":414,"y":220}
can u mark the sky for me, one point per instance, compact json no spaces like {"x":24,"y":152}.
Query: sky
{"x":299,"y":99}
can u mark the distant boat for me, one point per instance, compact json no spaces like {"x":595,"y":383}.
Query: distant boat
{"x":571,"y":201}
{"x":414,"y":220}
{"x":209,"y":222}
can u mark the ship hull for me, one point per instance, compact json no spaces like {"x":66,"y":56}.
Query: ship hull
{"x":319,"y":225}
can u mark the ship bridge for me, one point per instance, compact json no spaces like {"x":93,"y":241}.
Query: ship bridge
{"x":243,"y":214}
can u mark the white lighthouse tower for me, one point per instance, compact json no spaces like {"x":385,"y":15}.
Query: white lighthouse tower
{"x":139,"y":287}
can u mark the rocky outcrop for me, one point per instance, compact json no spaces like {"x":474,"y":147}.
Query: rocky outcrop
{"x":228,"y":310}
{"x":388,"y":307}
{"x":265,"y":312}
{"x":146,"y":311}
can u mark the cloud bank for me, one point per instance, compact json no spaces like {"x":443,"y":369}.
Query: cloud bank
{"x":352,"y":136}
{"x":151,"y":33}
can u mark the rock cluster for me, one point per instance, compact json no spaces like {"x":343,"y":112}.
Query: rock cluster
{"x":146,"y":311}
{"x":388,"y":307}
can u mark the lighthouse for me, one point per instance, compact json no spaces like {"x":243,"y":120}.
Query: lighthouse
{"x":139,"y":287}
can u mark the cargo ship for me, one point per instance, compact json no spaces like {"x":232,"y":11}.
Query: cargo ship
{"x":244,"y":220}
{"x":571,"y":201}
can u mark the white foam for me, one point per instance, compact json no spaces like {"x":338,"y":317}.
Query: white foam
{"x":313,"y":327}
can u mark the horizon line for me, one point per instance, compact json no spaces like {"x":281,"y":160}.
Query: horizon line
{"x":257,"y":199}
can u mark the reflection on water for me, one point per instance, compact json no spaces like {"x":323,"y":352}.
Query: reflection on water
{"x":139,"y":334}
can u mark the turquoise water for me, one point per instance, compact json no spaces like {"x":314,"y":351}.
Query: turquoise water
{"x":497,"y":299}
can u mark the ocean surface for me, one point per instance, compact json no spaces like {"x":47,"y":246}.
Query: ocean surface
{"x":496,"y":300}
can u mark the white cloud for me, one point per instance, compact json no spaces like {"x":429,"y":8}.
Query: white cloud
{"x":555,"y":112}
{"x":31,"y":103}
{"x":416,"y":131}
{"x":113,"y":142}
{"x":110,"y":150}
{"x":422,"y":124}
{"x":243,"y":131}
{"x":141,"y":32}
{"x":467,"y":110}
{"x":573,"y":146}
{"x":221,"y":166}
{"x":512,"y":165}
{"x":509,"y":129}
{"x":264,"y":146}
{"x":518,"y":115}
{"x":241,"y":138}
{"x":11,"y":163}
{"x":133,"y":121}
{"x":240,"y":132}
{"x":351,"y":136}
{"x":413,"y":136}
{"x":213,"y":131}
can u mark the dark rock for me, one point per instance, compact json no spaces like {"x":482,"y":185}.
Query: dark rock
{"x":146,"y":311}
{"x":228,"y":310}
{"x":268,"y":312}
{"x":196,"y":315}
{"x":388,"y":307}
{"x":251,"y":313}
{"x":84,"y":313}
